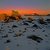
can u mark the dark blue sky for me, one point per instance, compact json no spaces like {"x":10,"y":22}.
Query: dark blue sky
{"x":34,"y":4}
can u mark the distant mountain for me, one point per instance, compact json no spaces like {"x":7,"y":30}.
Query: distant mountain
{"x":34,"y":14}
{"x":48,"y":14}
{"x":28,"y":14}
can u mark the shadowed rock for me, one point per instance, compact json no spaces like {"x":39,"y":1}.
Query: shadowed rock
{"x":30,"y":18}
{"x":20,"y":31}
{"x":10,"y":31}
{"x":43,"y":31}
{"x":36,"y":26}
{"x":9,"y":18}
{"x":24,"y":31}
{"x":5,"y":36}
{"x":7,"y":41}
{"x":41,"y":21}
{"x":35,"y":38}
{"x":13,"y":18}
{"x":29,"y":21}
{"x":14,"y":26}
{"x":48,"y":20}
{"x":46,"y":35}
{"x":1,"y":30}
{"x":25,"y":23}
{"x":16,"y":35}
{"x":18,"y":45}
{"x":25,"y":28}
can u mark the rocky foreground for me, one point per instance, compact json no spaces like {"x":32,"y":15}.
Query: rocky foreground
{"x":25,"y":34}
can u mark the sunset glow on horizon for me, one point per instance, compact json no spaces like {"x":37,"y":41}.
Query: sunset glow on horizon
{"x":25,"y":6}
{"x":24,"y":11}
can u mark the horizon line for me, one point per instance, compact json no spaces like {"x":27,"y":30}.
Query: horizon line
{"x":25,"y":11}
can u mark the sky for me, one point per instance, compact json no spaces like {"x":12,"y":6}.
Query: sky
{"x":26,"y":5}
